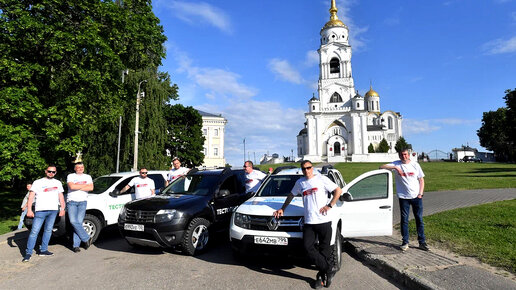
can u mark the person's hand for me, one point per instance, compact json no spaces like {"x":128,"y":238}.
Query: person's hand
{"x":278,"y":213}
{"x":61,"y":212}
{"x":324,"y":210}
{"x":30,"y":213}
{"x":400,"y":172}
{"x":420,"y":195}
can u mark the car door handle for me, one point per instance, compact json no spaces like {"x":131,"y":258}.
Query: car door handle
{"x":385,"y":206}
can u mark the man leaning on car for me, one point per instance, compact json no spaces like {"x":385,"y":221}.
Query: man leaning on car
{"x":314,"y":188}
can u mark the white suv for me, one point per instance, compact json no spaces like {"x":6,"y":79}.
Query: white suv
{"x":364,"y":209}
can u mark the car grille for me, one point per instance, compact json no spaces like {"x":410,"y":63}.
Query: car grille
{"x":140,"y":216}
{"x":286,"y":224}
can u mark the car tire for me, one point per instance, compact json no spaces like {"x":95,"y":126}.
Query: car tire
{"x":196,"y":237}
{"x":336,"y":252}
{"x":92,"y":225}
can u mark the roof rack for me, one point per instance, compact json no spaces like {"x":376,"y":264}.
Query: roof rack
{"x":279,"y":169}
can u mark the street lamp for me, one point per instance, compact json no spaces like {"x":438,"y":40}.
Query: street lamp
{"x":136,"y":125}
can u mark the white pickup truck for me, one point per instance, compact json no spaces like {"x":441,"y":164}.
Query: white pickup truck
{"x":364,"y":209}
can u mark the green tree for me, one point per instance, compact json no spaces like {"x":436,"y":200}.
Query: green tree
{"x":383,"y":147}
{"x":184,"y":134}
{"x":493,"y":133}
{"x":60,"y":80}
{"x":370,"y":148}
{"x":402,"y":144}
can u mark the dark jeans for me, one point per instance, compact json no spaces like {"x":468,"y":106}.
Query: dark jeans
{"x":41,"y":217}
{"x":417,"y":210}
{"x":319,"y":256}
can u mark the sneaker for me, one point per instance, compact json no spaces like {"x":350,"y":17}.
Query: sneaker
{"x":329,"y":277}
{"x":319,"y":281}
{"x":87,"y":244}
{"x":76,"y":250}
{"x":26,"y":258}
{"x":424,"y":247}
{"x":404,"y":247}
{"x":46,"y":253}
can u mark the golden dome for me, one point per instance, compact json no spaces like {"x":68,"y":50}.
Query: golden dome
{"x":372,"y":93}
{"x":334,"y":20}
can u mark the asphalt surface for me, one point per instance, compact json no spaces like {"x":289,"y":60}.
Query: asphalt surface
{"x":113,"y":264}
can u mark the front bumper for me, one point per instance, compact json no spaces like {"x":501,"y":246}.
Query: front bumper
{"x":242,"y":240}
{"x":163,"y":235}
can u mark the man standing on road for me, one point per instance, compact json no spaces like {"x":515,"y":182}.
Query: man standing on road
{"x":176,"y":171}
{"x":79,"y":184}
{"x":317,"y":215}
{"x":253,"y":178}
{"x":410,"y":185}
{"x":49,"y":195}
{"x":144,"y":186}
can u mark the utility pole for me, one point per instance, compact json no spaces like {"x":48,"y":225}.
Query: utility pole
{"x":136,"y":126}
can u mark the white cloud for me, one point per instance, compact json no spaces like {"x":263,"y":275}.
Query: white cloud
{"x":413,"y":126}
{"x":199,"y":13}
{"x":454,"y":121}
{"x":499,"y":46}
{"x":356,"y":39}
{"x":312,"y":58}
{"x":284,"y":71}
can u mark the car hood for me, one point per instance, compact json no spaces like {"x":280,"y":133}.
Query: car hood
{"x":265,"y":206}
{"x":173,"y":201}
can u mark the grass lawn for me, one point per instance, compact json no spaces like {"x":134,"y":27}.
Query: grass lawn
{"x":487,"y":232}
{"x":10,"y":209}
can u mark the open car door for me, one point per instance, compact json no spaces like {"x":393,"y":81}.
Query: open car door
{"x":369,"y":210}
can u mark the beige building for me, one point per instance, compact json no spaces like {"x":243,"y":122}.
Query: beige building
{"x":213,"y":128}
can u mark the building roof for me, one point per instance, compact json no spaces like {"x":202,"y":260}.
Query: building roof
{"x":334,"y":20}
{"x":205,"y":114}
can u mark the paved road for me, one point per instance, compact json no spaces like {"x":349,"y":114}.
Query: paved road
{"x":112,"y":264}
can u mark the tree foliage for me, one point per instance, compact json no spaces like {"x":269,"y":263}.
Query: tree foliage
{"x":60,"y":83}
{"x":383,"y":147}
{"x":402,"y":144}
{"x":184,"y":134}
{"x":498,"y":132}
{"x":370,"y":148}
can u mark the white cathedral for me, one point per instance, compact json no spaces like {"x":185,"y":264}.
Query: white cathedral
{"x":341,"y":124}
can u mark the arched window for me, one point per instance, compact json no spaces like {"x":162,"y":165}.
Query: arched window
{"x":336,"y":98}
{"x":334,"y":65}
{"x":336,"y":148}
{"x":313,"y":108}
{"x":389,"y":121}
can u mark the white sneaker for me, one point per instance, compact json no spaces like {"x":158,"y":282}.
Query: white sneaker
{"x":404,"y":247}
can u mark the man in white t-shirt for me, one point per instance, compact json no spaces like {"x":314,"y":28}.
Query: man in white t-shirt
{"x":50,"y":201}
{"x":410,"y":185}
{"x":143,"y":185}
{"x":317,"y":206}
{"x":79,"y":184}
{"x":253,"y":178}
{"x":176,"y":171}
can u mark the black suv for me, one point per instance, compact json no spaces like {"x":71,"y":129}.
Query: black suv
{"x":186,"y":211}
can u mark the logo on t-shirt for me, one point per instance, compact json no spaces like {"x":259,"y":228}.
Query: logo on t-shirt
{"x":141,"y":185}
{"x":81,"y":182}
{"x":248,"y":181}
{"x":50,"y":189}
{"x":310,"y":191}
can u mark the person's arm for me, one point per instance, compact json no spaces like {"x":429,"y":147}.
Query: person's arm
{"x":280,"y":211}
{"x":392,"y":167}
{"x":83,"y":187}
{"x":336,"y":194}
{"x":125,"y":188}
{"x":421,"y":187}
{"x":62,"y":202}
{"x":30,"y":213}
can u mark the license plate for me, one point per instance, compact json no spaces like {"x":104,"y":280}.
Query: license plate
{"x":133,"y":227}
{"x":279,"y":241}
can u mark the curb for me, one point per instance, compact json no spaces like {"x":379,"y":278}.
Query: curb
{"x":14,"y":235}
{"x":405,"y":277}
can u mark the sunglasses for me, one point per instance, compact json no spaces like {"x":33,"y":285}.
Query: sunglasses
{"x":49,"y":171}
{"x":306,"y":168}
{"x":143,"y":172}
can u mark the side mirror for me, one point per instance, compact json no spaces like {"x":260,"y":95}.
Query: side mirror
{"x":115,"y":193}
{"x":346,"y":197}
{"x":223,"y":193}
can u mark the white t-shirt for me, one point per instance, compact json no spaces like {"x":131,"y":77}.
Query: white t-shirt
{"x":253,"y":180}
{"x":47,"y":193}
{"x":175,"y":173}
{"x":407,"y":186}
{"x":78,"y":195}
{"x":315,"y":196}
{"x":142,"y":186}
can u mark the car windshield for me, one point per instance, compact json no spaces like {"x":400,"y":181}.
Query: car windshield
{"x":101,"y":184}
{"x":192,"y":185}
{"x":278,"y":185}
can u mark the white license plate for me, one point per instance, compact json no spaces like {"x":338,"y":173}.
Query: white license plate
{"x":133,"y":227}
{"x":280,"y":241}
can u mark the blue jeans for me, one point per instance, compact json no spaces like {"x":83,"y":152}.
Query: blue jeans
{"x":417,"y":210}
{"x":76,"y":212}
{"x":20,"y":225}
{"x":44,"y":216}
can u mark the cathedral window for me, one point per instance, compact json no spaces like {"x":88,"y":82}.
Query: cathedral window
{"x":336,"y":98}
{"x":358,"y":105}
{"x":334,"y":65}
{"x":389,"y":121}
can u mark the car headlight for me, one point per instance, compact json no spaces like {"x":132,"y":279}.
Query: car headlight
{"x":242,"y":220}
{"x":166,"y":215}
{"x":123,"y":213}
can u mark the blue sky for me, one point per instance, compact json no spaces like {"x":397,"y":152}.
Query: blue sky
{"x":441,"y":64}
